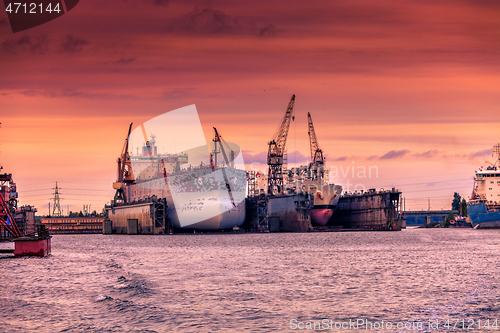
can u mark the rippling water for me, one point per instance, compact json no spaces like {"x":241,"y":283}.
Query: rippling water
{"x":252,"y":282}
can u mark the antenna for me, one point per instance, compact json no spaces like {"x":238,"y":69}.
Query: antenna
{"x":496,"y":150}
{"x":57,"y":203}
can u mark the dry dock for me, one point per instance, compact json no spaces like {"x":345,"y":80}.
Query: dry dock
{"x":371,"y":210}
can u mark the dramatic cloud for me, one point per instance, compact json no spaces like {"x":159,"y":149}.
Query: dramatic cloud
{"x":34,"y":44}
{"x":73,"y":44}
{"x":260,"y":158}
{"x":269,"y":30}
{"x":428,"y":154}
{"x":126,"y":61}
{"x":161,"y":2}
{"x":295,"y":157}
{"x":383,"y":79}
{"x":394,"y":154}
{"x":298,"y":157}
{"x":485,"y":152}
{"x":209,"y":21}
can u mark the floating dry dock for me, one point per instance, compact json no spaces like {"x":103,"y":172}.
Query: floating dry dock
{"x":371,"y":210}
{"x":287,"y":213}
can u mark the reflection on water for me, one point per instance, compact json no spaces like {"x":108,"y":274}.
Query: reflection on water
{"x":251,"y":282}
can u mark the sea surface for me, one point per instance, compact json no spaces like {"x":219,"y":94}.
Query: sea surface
{"x":419,"y":278}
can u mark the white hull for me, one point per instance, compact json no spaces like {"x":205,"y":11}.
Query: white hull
{"x":198,"y":199}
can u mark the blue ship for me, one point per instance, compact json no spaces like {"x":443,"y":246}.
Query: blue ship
{"x":484,"y":207}
{"x":483,"y":216}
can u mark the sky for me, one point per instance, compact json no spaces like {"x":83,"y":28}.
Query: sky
{"x":409,"y":90}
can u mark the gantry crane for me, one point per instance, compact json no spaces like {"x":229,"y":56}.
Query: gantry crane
{"x":316,"y":167}
{"x":125,"y":173}
{"x":276,"y":151}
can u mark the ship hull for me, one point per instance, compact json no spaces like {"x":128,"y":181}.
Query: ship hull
{"x":481,"y":218}
{"x":326,"y":198}
{"x":321,"y":216}
{"x":198,"y":199}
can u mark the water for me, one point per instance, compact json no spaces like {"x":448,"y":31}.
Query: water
{"x":253,"y":282}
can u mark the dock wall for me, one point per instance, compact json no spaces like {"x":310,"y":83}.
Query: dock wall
{"x":140,"y":218}
{"x":372,"y":210}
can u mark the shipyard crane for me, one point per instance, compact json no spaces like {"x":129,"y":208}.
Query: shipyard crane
{"x":219,"y":139}
{"x":316,"y":166}
{"x":276,"y":151}
{"x":7,"y":222}
{"x":125,"y":173}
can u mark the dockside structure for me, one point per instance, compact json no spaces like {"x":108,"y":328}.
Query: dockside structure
{"x":370,"y":210}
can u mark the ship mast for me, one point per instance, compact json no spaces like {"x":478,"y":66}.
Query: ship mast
{"x":496,"y":151}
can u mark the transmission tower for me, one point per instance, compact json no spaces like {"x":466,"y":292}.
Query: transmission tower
{"x":57,"y":203}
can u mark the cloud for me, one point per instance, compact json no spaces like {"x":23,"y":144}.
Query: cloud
{"x":269,"y":30}
{"x":35,"y":44}
{"x":338,"y":159}
{"x":394,"y":154}
{"x":250,"y":158}
{"x":210,"y":21}
{"x":261,"y":158}
{"x":177,"y":93}
{"x":69,"y":92}
{"x":161,"y":2}
{"x":126,"y":61}
{"x":483,"y":153}
{"x":428,"y":154}
{"x":298,"y":157}
{"x":73,"y":44}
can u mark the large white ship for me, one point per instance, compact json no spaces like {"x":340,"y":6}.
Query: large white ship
{"x":200,"y":192}
{"x":484,"y":206}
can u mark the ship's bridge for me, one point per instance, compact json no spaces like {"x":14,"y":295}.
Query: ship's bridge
{"x":487,"y":184}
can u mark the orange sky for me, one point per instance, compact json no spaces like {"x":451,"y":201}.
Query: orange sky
{"x":409,"y":87}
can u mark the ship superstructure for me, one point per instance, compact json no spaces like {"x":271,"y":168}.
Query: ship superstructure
{"x":202,"y":196}
{"x":484,"y":206}
{"x":487,"y":181}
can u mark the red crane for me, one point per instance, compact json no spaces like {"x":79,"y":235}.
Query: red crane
{"x":6,"y":220}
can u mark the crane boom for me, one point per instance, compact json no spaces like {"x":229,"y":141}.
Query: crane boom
{"x":125,"y":173}
{"x":124,"y":159}
{"x":276,"y":151}
{"x":281,"y":133}
{"x":316,"y":152}
{"x":317,"y":160}
{"x":218,"y":139}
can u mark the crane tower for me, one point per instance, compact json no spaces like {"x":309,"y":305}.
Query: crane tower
{"x":276,"y":151}
{"x":316,"y":166}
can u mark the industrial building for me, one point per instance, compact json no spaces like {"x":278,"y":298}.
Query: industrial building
{"x":73,"y":225}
